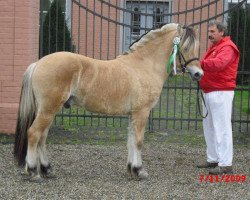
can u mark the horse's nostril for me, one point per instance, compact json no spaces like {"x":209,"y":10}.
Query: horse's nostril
{"x":197,"y":75}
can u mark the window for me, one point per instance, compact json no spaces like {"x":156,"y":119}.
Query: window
{"x":142,"y":16}
{"x":158,"y":20}
{"x":136,"y":22}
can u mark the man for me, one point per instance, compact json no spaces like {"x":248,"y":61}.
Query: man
{"x":220,"y":65}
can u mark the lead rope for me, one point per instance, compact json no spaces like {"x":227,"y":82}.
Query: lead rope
{"x":202,"y":99}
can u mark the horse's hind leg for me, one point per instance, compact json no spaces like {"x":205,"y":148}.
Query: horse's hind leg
{"x":45,"y":166}
{"x":135,"y":143}
{"x":36,"y":132}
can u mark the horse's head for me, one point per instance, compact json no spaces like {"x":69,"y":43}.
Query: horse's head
{"x":188,"y":52}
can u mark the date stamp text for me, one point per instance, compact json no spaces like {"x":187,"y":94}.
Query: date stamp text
{"x":228,"y":178}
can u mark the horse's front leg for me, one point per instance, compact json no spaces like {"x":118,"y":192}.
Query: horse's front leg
{"x":137,"y":123}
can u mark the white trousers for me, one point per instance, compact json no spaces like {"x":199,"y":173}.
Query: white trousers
{"x":217,"y":127}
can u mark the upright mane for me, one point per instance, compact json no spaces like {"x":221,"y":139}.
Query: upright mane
{"x":189,"y":39}
{"x":147,"y":37}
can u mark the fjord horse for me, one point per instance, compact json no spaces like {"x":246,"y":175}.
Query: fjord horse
{"x":128,"y":85}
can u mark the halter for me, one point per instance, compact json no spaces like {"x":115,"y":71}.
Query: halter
{"x":184,"y":65}
{"x":176,"y":50}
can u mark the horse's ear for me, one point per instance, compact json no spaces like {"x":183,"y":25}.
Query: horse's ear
{"x":180,"y":29}
{"x":196,"y":30}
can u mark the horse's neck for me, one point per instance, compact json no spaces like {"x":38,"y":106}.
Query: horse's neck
{"x":153,"y":57}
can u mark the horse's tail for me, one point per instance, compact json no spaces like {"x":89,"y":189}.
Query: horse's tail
{"x":26,"y":116}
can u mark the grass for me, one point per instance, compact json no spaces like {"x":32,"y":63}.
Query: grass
{"x":71,"y":118}
{"x":187,"y":139}
{"x":91,"y":136}
{"x":119,"y":137}
{"x":6,"y":139}
{"x":242,"y":99}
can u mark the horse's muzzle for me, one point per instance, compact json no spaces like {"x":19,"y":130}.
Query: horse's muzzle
{"x":195,"y":73}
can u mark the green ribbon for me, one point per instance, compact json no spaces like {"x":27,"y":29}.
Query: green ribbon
{"x":172,"y":57}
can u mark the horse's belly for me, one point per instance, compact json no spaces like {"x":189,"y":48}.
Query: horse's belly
{"x":108,"y":106}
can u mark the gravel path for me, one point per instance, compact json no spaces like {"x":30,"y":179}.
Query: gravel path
{"x":99,"y":172}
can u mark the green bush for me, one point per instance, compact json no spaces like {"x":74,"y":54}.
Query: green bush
{"x":239,"y":30}
{"x":56,"y":34}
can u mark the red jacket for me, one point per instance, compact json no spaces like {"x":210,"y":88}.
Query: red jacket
{"x":220,"y":65}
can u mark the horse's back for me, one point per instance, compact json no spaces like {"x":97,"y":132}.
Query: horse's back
{"x":99,"y":86}
{"x":111,"y":87}
{"x":59,"y":62}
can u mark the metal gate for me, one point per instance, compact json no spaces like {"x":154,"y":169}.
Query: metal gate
{"x":103,"y":29}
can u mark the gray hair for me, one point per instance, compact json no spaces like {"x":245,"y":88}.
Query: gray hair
{"x":220,"y":26}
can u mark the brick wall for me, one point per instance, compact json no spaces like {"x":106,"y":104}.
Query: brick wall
{"x":93,"y":36}
{"x":19,"y":35}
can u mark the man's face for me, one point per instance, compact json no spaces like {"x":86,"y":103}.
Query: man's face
{"x":214,"y":35}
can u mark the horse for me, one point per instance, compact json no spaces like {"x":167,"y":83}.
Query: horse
{"x":128,"y":85}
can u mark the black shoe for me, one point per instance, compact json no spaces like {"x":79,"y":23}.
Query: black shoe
{"x":207,"y":165}
{"x":221,"y":170}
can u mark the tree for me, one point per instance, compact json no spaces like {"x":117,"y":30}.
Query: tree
{"x":56,"y":34}
{"x":239,"y":30}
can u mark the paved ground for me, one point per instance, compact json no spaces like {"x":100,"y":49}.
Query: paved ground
{"x":86,"y":171}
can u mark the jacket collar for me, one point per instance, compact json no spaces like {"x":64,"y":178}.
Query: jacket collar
{"x":221,"y":41}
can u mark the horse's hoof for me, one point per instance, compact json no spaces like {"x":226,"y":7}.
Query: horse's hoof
{"x":142,"y":174}
{"x":139,"y":172}
{"x":25,"y":174}
{"x":129,"y":170}
{"x":35,"y":179}
{"x":47,"y":172}
{"x":49,"y":175}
